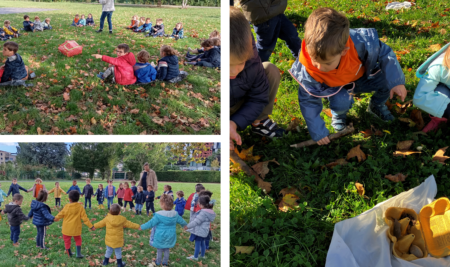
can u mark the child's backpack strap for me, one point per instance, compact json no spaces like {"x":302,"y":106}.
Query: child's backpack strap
{"x":422,"y":70}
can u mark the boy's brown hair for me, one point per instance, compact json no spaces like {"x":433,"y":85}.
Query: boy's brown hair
{"x":124,"y":47}
{"x":207,"y":43}
{"x":133,"y":182}
{"x":42,"y":196}
{"x":35,"y":18}
{"x":168,"y":186}
{"x":115,"y":209}
{"x":216,"y":41}
{"x":240,"y":35}
{"x":143,"y":56}
{"x":199,"y":187}
{"x":17,"y":197}
{"x":47,"y":19}
{"x":88,"y":180}
{"x":179,"y":23}
{"x":158,"y":20}
{"x":180,"y":193}
{"x":326,"y":33}
{"x":14,"y":179}
{"x":11,"y":46}
{"x":26,"y":17}
{"x":6,"y":22}
{"x":150,"y":186}
{"x":166,"y":202}
{"x":214,"y":34}
{"x":76,"y":15}
{"x":169,"y":51}
{"x":147,"y":19}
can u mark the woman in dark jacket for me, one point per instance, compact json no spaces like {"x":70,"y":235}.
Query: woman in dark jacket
{"x":42,"y":217}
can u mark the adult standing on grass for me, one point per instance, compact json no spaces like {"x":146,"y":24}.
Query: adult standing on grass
{"x":148,"y":177}
{"x":107,"y":10}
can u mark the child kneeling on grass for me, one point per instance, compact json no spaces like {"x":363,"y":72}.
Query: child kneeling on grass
{"x":144,"y":71}
{"x":167,"y":67}
{"x":164,"y":226}
{"x":14,"y":68}
{"x":121,"y":68}
{"x":329,"y":66}
{"x":15,"y":217}
{"x":115,"y":223}
{"x":253,"y":84}
{"x":57,"y":194}
{"x":433,"y":91}
{"x":42,"y":217}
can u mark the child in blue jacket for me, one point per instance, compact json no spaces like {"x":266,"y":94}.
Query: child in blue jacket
{"x":74,"y":187}
{"x":210,"y":58}
{"x":90,"y":20}
{"x":180,"y":202}
{"x":14,"y":188}
{"x":28,"y":26}
{"x":2,"y":194}
{"x":167,"y":67}
{"x":358,"y":63}
{"x":149,"y":199}
{"x":145,"y":73}
{"x":164,"y":226}
{"x":432,"y":94}
{"x":42,"y":217}
{"x":14,"y":68}
{"x":177,"y":32}
{"x":146,"y":27}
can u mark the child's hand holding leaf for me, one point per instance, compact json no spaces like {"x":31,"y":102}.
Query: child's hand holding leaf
{"x":399,"y":90}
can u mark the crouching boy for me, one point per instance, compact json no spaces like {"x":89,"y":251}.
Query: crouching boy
{"x":14,"y":68}
{"x":253,"y":84}
{"x":336,"y":62}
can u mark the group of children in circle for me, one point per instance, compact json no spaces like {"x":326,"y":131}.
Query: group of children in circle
{"x":163,"y":223}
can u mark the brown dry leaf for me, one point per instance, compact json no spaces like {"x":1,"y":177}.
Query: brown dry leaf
{"x":66,"y":96}
{"x":356,"y":152}
{"x":337,"y":162}
{"x":327,"y":112}
{"x":288,"y":202}
{"x":261,"y":168}
{"x":416,"y":116}
{"x":158,"y":121}
{"x":360,"y":189}
{"x":90,"y":133}
{"x":435,"y":47}
{"x":134,"y":111}
{"x":404,"y":153}
{"x":163,"y":85}
{"x":93,"y":121}
{"x":439,"y":156}
{"x":404,"y":145}
{"x":293,"y":125}
{"x":73,"y":129}
{"x":289,"y":190}
{"x":389,"y":105}
{"x":443,"y":31}
{"x":39,"y":131}
{"x":247,"y":154}
{"x":369,"y":132}
{"x":408,"y":120}
{"x":265,"y":186}
{"x":401,"y":108}
{"x":235,"y":167}
{"x":399,"y":177}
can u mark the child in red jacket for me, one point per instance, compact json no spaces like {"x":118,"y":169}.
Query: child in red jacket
{"x":120,"y":68}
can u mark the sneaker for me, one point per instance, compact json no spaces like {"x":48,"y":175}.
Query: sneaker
{"x":99,"y":31}
{"x":204,"y":257}
{"x":338,"y":124}
{"x":100,"y":75}
{"x":192,"y":258}
{"x":380,"y":111}
{"x":268,"y":128}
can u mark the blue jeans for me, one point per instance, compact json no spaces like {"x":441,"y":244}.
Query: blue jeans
{"x":15,"y":232}
{"x":100,"y":202}
{"x":200,"y":246}
{"x":109,"y":251}
{"x":267,"y":34}
{"x":86,"y":199}
{"x":40,"y":238}
{"x":139,"y":207}
{"x":106,"y":14}
{"x":341,"y":102}
{"x":48,"y":28}
{"x":58,"y":202}
{"x":110,"y":201}
{"x":159,"y":253}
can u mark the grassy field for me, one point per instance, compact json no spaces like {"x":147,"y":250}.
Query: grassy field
{"x":328,"y":196}
{"x":189,"y":107}
{"x":136,"y":250}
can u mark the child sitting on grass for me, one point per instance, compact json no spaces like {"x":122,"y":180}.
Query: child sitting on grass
{"x":10,"y":30}
{"x":168,"y":68}
{"x":213,"y":34}
{"x":28,"y":26}
{"x":72,"y":214}
{"x":88,"y":191}
{"x":57,"y":194}
{"x":121,"y":68}
{"x":47,"y":25}
{"x":177,"y":32}
{"x":329,"y":66}
{"x":180,"y":202}
{"x":3,"y":36}
{"x":149,"y":199}
{"x":38,"y":25}
{"x":15,"y":217}
{"x":134,"y":23}
{"x":2,"y":194}
{"x":139,"y":200}
{"x":74,"y":187}
{"x":164,"y":226}
{"x":42,"y":217}
{"x":100,"y":197}
{"x":14,"y":68}
{"x":158,"y":29}
{"x":210,"y":58}
{"x":115,"y":223}
{"x":82,"y":21}
{"x":144,"y":71}
{"x":76,"y":20}
{"x":37,"y":187}
{"x":90,"y":20}
{"x":15,"y":187}
{"x":146,"y":27}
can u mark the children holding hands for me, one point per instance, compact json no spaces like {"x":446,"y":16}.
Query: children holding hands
{"x":121,"y":68}
{"x":57,"y":194}
{"x":15,"y":217}
{"x":74,"y":187}
{"x":115,"y":223}
{"x":14,"y":188}
{"x":42,"y":217}
{"x":88,"y":191}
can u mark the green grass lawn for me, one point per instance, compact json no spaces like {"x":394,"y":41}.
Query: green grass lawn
{"x":329,"y":196}
{"x":189,"y":107}
{"x":136,"y":250}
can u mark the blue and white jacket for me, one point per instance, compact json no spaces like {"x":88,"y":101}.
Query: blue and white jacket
{"x":179,"y":33}
{"x":374,"y":55}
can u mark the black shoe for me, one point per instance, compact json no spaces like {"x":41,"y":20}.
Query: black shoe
{"x":69,"y":252}
{"x":110,"y":32}
{"x":99,"y":31}
{"x":79,"y":252}
{"x":106,"y":261}
{"x":268,"y":128}
{"x":120,"y":263}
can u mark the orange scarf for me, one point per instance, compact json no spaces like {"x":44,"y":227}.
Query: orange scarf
{"x":350,"y":68}
{"x":76,"y":20}
{"x":37,"y":190}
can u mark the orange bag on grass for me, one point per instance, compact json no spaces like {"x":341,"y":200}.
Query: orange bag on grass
{"x":70,"y":48}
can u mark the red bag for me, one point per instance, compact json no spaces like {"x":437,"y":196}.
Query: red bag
{"x":1,"y":72}
{"x":70,"y":48}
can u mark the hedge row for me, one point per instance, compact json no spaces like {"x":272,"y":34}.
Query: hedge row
{"x":189,"y":176}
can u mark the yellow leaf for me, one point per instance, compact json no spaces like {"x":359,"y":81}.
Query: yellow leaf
{"x":288,"y":202}
{"x":360,"y":189}
{"x":93,"y":121}
{"x":386,"y":131}
{"x":244,"y":249}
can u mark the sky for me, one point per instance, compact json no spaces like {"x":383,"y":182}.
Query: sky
{"x":11,"y":146}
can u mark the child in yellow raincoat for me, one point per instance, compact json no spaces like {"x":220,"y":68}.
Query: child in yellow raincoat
{"x":57,"y":194}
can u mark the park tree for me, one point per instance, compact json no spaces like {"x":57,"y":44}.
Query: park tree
{"x":87,"y":157}
{"x":136,"y":154}
{"x":215,"y":164}
{"x":51,"y":155}
{"x":189,"y":152}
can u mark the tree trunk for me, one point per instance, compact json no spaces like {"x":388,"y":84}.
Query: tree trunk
{"x":159,"y":3}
